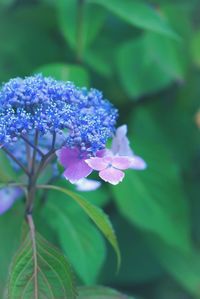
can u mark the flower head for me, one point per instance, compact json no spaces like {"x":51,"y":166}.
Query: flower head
{"x":51,"y":106}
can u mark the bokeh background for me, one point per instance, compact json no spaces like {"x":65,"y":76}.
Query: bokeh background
{"x":145,"y":57}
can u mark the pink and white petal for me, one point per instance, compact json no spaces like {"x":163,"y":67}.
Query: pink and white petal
{"x":138,"y":163}
{"x":120,"y":143}
{"x":111,"y":175}
{"x":121,"y":162}
{"x":77,"y":171}
{"x":68,"y":156}
{"x":87,"y":185}
{"x":97,"y":163}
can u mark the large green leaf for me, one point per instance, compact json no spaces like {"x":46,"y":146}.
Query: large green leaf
{"x":100,"y":293}
{"x":95,"y":213}
{"x":40,"y":271}
{"x":154,"y":199}
{"x":79,"y":23}
{"x":138,"y":13}
{"x":80,"y":240}
{"x":10,"y":230}
{"x":139,"y":264}
{"x":65,"y":72}
{"x":22,"y":29}
{"x":184,"y":267}
{"x":149,"y":64}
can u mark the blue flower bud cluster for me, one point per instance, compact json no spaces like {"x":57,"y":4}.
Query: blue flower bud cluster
{"x":49,"y":106}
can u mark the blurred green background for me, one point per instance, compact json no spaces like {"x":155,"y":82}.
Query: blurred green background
{"x":145,"y":57}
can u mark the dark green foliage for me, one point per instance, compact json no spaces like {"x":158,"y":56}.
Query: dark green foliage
{"x":145,"y":57}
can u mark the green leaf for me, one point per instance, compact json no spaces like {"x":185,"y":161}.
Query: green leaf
{"x":99,"y":292}
{"x":138,"y":13}
{"x":80,"y":240}
{"x":9,"y":174}
{"x":10,"y":230}
{"x":184,"y":267}
{"x":92,"y":20}
{"x":149,"y":64}
{"x":66,"y":72}
{"x":6,"y":3}
{"x":96,"y":214}
{"x":135,"y":251}
{"x":154,"y":199}
{"x":195,"y":48}
{"x":19,"y":40}
{"x":98,"y":59}
{"x":40,"y":271}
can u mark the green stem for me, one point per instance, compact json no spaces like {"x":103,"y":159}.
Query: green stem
{"x":16,"y":161}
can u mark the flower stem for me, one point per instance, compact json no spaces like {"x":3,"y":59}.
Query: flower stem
{"x":53,"y":141}
{"x":16,"y":161}
{"x":32,"y":145}
{"x":34,"y":151}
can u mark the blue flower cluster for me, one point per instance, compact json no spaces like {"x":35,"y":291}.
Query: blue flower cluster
{"x":49,"y":106}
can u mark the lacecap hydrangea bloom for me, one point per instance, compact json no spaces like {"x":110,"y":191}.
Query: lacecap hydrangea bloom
{"x":42,"y":118}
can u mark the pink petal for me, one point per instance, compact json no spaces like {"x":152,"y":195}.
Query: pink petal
{"x":120,"y":143}
{"x":138,"y":163}
{"x":87,"y":185}
{"x":111,"y":175}
{"x":97,"y":163}
{"x":77,"y":171}
{"x":121,"y":162}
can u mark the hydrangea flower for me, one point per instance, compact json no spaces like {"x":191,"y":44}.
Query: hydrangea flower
{"x":109,"y":163}
{"x":46,"y":105}
{"x":40,"y":115}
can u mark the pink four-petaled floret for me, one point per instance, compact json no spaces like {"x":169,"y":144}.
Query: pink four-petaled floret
{"x":109,"y":163}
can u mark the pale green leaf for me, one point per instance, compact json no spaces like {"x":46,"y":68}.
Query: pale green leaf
{"x":154,"y":199}
{"x":148,"y":64}
{"x":95,"y":213}
{"x":79,"y":239}
{"x":87,"y":22}
{"x":140,"y":14}
{"x":184,"y":267}
{"x":12,"y":221}
{"x":66,"y":72}
{"x":40,"y":271}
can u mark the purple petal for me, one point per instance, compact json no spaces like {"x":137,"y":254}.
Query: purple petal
{"x":97,"y":163}
{"x":77,"y":170}
{"x":87,"y":185}
{"x":69,"y":156}
{"x":111,"y":175}
{"x":7,"y":198}
{"x":120,"y":143}
{"x":121,"y":162}
{"x":138,"y":163}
